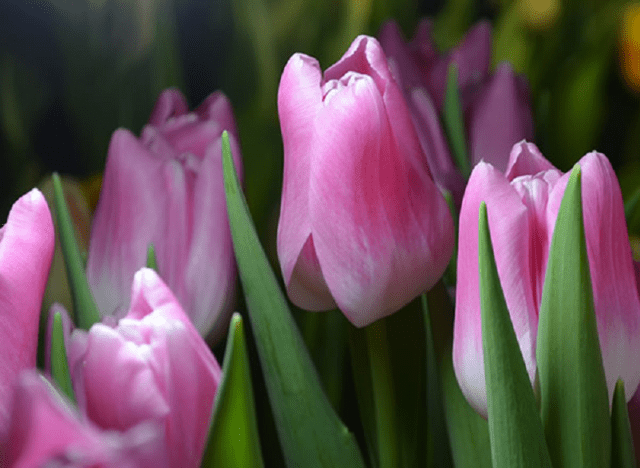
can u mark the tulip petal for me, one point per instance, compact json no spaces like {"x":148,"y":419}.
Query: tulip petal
{"x":510,"y":234}
{"x":615,"y":292}
{"x":299,"y":97}
{"x":46,"y":431}
{"x":26,"y":250}
{"x":129,"y":216}
{"x":525,"y":159}
{"x":208,"y":293}
{"x":499,"y":118}
{"x":170,"y":104}
{"x":375,"y":250}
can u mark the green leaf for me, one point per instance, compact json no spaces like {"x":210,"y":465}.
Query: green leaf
{"x":517,"y":438}
{"x":468,"y":431}
{"x":383,"y":394}
{"x":574,"y":402}
{"x":233,"y":437}
{"x":152,"y":261}
{"x":59,"y":364}
{"x":389,"y":375}
{"x":438,"y":453}
{"x":622,"y":452}
{"x":85,"y":309}
{"x":454,"y":122}
{"x":310,"y":432}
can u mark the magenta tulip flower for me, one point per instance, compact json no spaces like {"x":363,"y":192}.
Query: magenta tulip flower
{"x":496,"y":106}
{"x":166,"y":188}
{"x":152,"y":366}
{"x":362,"y":224}
{"x":45,"y":430}
{"x":26,"y":249}
{"x":522,"y":206}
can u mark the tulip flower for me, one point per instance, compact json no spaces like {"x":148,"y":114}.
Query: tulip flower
{"x":495,"y":106}
{"x":166,"y":188}
{"x":362,"y":224}
{"x":26,"y":249}
{"x":46,"y":431}
{"x":522,"y":206}
{"x":152,"y":366}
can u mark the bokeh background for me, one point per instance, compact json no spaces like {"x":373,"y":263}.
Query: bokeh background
{"x":72,"y":71}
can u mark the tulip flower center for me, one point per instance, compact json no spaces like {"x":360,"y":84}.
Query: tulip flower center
{"x":349,"y":80}
{"x":534,"y":192}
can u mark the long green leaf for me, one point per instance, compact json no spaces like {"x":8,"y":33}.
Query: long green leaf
{"x":468,"y":431}
{"x":438,"y":453}
{"x":622,"y":451}
{"x":310,"y":432}
{"x":84,"y":305}
{"x":517,"y":438}
{"x":454,"y":123}
{"x":59,"y":363}
{"x":574,"y":402}
{"x":233,"y":438}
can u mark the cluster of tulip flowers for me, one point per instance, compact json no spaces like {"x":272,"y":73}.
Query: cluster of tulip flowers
{"x":392,"y":157}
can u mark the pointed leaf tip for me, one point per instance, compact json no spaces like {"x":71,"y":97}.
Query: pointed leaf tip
{"x":85,"y":308}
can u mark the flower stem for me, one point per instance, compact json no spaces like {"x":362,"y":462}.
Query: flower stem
{"x":383,"y":394}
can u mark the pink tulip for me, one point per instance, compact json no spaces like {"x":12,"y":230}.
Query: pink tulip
{"x":26,"y":249}
{"x":522,"y":206}
{"x":362,"y":225}
{"x":153,"y":366}
{"x":166,"y":188}
{"x":496,"y":106}
{"x":46,"y":431}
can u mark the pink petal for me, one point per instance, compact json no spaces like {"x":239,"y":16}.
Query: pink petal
{"x":499,"y":118}
{"x":525,"y":159}
{"x":615,"y":291}
{"x":510,"y":229}
{"x":170,"y":104}
{"x":130,"y":215}
{"x":46,"y":431}
{"x":26,"y":249}
{"x":299,"y":98}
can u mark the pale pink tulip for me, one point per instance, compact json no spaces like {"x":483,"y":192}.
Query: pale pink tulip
{"x":26,"y":249}
{"x":362,"y":224}
{"x":152,"y":366}
{"x":46,"y":431}
{"x":522,"y":206}
{"x":166,"y":188}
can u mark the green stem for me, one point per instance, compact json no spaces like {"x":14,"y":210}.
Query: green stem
{"x":383,"y":394}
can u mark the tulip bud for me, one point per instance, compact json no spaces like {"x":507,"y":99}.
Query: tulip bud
{"x":362,"y":224}
{"x":26,"y":248}
{"x":152,"y":366}
{"x":522,"y":206}
{"x":166,"y":188}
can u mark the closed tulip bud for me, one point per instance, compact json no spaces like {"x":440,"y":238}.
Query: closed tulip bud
{"x":26,"y":249}
{"x":166,"y":188}
{"x":522,"y":205}
{"x":362,"y":224}
{"x":156,"y":359}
